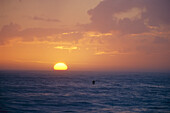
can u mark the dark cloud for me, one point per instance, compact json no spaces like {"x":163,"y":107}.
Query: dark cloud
{"x":157,"y":11}
{"x":102,"y":16}
{"x":9,"y":31}
{"x":161,"y":40}
{"x":14,"y":30}
{"x":45,"y":19}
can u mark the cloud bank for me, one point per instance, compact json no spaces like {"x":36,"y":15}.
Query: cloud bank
{"x":129,"y":16}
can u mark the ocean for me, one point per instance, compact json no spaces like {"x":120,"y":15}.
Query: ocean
{"x":69,"y":91}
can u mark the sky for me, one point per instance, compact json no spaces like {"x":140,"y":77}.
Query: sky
{"x":93,"y":35}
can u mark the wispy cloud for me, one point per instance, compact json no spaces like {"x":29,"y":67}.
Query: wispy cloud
{"x":111,"y":53}
{"x":66,"y":48}
{"x":45,"y":19}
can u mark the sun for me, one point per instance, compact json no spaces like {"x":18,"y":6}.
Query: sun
{"x":60,"y":66}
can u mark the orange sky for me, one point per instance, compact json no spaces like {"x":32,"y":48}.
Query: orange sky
{"x":113,"y":35}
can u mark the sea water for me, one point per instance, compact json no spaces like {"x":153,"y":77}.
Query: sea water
{"x":68,"y":91}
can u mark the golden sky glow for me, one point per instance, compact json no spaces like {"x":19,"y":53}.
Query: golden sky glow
{"x":86,"y":34}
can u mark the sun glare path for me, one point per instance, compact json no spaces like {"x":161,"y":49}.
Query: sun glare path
{"x":60,"y":66}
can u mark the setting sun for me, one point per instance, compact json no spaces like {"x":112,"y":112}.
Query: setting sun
{"x":60,"y":66}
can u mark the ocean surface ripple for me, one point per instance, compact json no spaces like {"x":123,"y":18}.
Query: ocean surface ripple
{"x":69,"y":91}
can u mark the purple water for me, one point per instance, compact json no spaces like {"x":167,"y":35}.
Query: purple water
{"x":57,"y":92}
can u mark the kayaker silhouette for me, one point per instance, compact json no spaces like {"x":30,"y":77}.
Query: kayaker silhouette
{"x":93,"y":82}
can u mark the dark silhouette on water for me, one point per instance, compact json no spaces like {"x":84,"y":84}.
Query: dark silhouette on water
{"x":93,"y":82}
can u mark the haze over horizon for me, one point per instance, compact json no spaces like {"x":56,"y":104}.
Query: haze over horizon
{"x":104,"y":35}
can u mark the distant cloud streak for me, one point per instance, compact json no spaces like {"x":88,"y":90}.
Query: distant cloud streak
{"x":45,"y":19}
